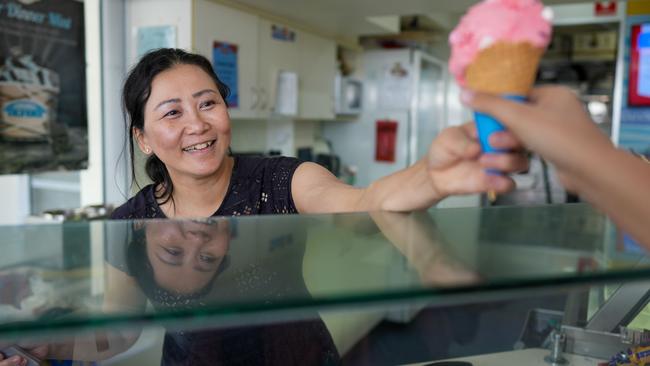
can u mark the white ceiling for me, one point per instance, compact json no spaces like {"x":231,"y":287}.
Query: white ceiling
{"x":349,"y":18}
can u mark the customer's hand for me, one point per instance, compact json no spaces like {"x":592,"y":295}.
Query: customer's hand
{"x":456,"y":166}
{"x":554,"y":124}
{"x":39,"y":352}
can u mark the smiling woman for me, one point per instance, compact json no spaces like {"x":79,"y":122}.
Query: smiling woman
{"x":186,"y":126}
{"x":173,"y":98}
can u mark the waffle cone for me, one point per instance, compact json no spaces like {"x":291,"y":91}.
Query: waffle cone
{"x":504,"y":68}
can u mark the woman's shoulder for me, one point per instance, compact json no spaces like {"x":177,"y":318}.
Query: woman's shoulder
{"x":140,"y":206}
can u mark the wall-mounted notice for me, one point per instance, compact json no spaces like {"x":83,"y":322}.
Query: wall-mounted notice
{"x":43,"y":119}
{"x":151,"y":38}
{"x":224,"y":62}
{"x":282,"y":33}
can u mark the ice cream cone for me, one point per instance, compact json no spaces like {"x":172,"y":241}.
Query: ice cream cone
{"x":495,"y":49}
{"x":504,"y":69}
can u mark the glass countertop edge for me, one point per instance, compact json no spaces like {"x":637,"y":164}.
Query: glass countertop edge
{"x":38,"y":327}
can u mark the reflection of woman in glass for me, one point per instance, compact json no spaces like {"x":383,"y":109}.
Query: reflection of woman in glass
{"x":185,"y":266}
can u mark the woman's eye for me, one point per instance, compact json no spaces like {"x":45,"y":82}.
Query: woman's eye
{"x":172,"y":113}
{"x":207,"y":258}
{"x":207,"y":104}
{"x":173,"y":251}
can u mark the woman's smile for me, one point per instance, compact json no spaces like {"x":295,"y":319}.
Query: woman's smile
{"x":200,"y":147}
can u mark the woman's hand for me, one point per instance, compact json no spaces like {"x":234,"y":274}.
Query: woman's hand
{"x":553,"y":124}
{"x":456,"y":166}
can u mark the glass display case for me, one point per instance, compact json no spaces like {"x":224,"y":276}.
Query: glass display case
{"x":484,"y":286}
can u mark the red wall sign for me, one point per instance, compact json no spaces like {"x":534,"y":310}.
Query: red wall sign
{"x":385,"y":139}
{"x":604,"y":8}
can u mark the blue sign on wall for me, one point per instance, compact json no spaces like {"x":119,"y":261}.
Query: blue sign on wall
{"x":224,"y":62}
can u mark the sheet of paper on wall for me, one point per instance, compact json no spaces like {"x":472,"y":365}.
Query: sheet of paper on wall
{"x":150,"y":38}
{"x":396,"y":85}
{"x":286,"y":95}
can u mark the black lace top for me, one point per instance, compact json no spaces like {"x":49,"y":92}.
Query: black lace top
{"x":258,"y":186}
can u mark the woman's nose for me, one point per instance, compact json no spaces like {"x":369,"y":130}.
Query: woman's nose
{"x":196,"y":124}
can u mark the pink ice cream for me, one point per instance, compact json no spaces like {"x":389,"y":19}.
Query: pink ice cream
{"x":492,"y":21}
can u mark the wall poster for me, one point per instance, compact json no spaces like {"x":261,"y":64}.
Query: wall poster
{"x":224,"y":62}
{"x":43,"y":119}
{"x":634,"y":132}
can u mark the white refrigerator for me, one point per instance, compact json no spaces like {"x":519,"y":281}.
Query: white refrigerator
{"x":411,"y":88}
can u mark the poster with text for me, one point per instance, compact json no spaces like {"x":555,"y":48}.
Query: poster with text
{"x":634,"y":128}
{"x":43,"y":119}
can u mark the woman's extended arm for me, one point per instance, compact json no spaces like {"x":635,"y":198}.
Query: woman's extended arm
{"x":454,"y":166}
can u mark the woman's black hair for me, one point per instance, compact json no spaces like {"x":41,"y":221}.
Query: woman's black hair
{"x":136,"y":93}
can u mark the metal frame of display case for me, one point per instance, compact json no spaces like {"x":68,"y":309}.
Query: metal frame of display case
{"x":606,"y":332}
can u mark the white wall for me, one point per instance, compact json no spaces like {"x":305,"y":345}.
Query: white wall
{"x":15,"y":199}
{"x":116,"y":166}
{"x":92,"y":179}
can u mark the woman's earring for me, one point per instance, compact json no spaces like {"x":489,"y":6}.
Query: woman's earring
{"x":147,"y":150}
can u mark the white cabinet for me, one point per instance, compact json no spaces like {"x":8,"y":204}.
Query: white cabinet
{"x":317,"y":73}
{"x":214,"y":22}
{"x":261,"y":57}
